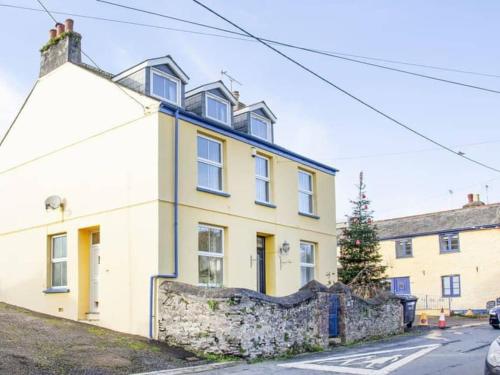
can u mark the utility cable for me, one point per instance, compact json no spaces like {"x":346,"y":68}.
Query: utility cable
{"x":333,"y":54}
{"x":311,"y":50}
{"x":352,"y":96}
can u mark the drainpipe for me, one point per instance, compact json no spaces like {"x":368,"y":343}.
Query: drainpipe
{"x":174,"y":275}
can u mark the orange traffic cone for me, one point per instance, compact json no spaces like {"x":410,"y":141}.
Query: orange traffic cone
{"x":442,"y":320}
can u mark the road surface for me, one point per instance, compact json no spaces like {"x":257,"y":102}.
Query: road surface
{"x":454,"y":351}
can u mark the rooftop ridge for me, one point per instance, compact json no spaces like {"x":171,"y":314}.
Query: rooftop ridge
{"x":440,"y":212}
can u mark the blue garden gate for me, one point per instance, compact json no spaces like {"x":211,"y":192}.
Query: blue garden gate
{"x":333,"y":316}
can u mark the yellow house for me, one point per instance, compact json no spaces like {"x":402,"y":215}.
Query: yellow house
{"x":448,"y":259}
{"x":111,"y":182}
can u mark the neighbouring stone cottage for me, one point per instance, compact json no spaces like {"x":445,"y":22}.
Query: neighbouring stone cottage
{"x":245,"y":323}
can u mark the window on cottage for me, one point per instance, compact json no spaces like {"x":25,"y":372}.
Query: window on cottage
{"x":165,"y":87}
{"x":262,"y":179}
{"x":306,"y":262}
{"x":210,"y":255}
{"x":209,"y":163}
{"x":305,"y":192}
{"x":217,"y":108}
{"x":451,"y":285}
{"x":260,"y":127}
{"x":449,"y":242}
{"x":404,"y":248}
{"x":58,"y":262}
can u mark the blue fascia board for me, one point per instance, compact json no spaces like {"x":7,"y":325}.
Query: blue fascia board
{"x":464,"y":229}
{"x":247,"y":138}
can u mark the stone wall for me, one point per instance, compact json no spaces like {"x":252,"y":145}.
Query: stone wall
{"x":368,"y":318}
{"x":242,"y":322}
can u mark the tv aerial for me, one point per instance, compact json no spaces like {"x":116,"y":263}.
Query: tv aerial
{"x":230,"y":78}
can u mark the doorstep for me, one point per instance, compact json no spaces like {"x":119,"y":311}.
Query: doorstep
{"x":91,"y":317}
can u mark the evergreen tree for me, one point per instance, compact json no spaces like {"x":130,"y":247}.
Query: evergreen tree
{"x":359,"y":248}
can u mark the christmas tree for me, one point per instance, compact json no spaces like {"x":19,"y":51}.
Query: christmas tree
{"x":360,"y":259}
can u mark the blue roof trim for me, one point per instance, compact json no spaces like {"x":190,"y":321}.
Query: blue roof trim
{"x":464,"y":229}
{"x":247,"y":138}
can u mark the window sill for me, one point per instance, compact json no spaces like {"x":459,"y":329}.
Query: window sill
{"x":56,"y":290}
{"x":215,"y":192}
{"x":265,"y":204}
{"x":404,"y":257}
{"x":312,"y":216}
{"x":449,"y":252}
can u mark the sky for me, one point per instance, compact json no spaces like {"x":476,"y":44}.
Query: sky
{"x":404,"y":174}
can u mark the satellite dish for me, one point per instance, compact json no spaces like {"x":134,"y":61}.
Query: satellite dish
{"x":53,"y":202}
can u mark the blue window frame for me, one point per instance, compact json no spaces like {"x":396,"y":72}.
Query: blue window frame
{"x":449,"y":242}
{"x":450,"y":285}
{"x":404,"y":248}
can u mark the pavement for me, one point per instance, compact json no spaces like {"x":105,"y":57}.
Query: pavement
{"x":459,"y":350}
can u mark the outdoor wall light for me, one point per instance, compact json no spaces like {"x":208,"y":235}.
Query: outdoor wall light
{"x":254,"y":152}
{"x":284,"y":250}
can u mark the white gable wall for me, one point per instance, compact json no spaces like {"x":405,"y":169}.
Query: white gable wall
{"x":80,"y":137}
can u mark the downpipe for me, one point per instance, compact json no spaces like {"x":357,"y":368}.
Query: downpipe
{"x":174,"y":275}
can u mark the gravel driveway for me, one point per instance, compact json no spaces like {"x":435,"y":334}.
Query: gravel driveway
{"x":32,"y":343}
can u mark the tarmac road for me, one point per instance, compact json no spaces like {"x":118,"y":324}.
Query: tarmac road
{"x":454,"y":351}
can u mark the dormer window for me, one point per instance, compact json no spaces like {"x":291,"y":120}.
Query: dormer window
{"x":260,"y":127}
{"x":255,"y":119}
{"x":165,"y":87}
{"x":217,"y":108}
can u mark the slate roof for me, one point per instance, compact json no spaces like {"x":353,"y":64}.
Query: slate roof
{"x":95,"y":70}
{"x":487,"y":216}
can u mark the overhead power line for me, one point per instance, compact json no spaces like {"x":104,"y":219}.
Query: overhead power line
{"x":126,"y":22}
{"x":333,"y":54}
{"x":409,"y":152}
{"x":311,"y":50}
{"x":352,"y":96}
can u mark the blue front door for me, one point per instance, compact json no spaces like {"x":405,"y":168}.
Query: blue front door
{"x":333,"y":316}
{"x":400,"y":285}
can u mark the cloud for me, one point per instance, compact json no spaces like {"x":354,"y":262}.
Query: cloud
{"x":11,"y":98}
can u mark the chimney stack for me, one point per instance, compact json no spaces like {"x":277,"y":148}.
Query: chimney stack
{"x":473,"y":200}
{"x":64,"y":45}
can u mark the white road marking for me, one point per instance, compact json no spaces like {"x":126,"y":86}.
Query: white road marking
{"x":469,"y":325}
{"x":366,"y":360}
{"x":436,"y":335}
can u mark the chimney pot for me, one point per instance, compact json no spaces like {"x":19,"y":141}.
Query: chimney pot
{"x":59,"y":28}
{"x":236,"y":95}
{"x":473,"y":201}
{"x":68,"y":25}
{"x":54,"y":55}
